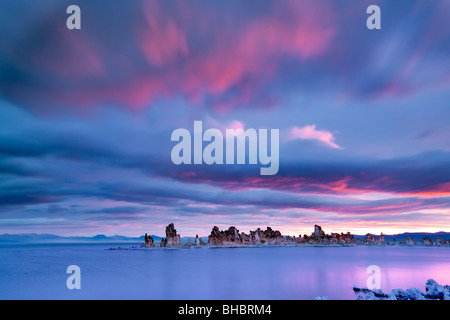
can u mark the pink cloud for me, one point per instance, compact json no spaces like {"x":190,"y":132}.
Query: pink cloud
{"x":310,"y":132}
{"x":161,"y":40}
{"x":440,"y":190}
{"x":205,"y":55}
{"x":255,"y":52}
{"x":80,"y":59}
{"x":243,"y":60}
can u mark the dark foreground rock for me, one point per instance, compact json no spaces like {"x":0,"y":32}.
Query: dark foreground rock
{"x":433,"y":291}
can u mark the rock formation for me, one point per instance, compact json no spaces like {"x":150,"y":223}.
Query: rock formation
{"x":427,"y":241}
{"x":227,"y":237}
{"x":266,"y":236}
{"x":439,"y":241}
{"x":173,"y":239}
{"x":370,"y":239}
{"x":216,"y":237}
{"x":342,"y":238}
{"x":232,"y":237}
{"x":245,"y":238}
{"x":410,"y":241}
{"x":198,"y":241}
{"x":318,"y":236}
{"x":373,"y":240}
{"x":290,"y":240}
{"x":148,"y":241}
{"x":300,"y":239}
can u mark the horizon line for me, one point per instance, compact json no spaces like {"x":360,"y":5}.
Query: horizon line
{"x":119,"y":235}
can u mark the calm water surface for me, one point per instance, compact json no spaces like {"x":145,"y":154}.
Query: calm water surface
{"x":39,"y":271}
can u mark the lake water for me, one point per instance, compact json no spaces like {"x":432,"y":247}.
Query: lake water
{"x":39,"y":271}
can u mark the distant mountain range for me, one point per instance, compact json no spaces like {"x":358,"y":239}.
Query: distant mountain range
{"x":51,"y":238}
{"x":417,"y":236}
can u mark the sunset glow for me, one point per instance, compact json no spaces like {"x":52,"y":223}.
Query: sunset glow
{"x":86,"y":117}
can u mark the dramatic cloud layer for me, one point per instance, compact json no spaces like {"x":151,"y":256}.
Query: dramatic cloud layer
{"x":86,"y":115}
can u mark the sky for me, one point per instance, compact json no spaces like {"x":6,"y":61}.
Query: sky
{"x":86,"y":116}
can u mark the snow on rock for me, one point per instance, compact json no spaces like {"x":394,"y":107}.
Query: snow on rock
{"x":391,"y":296}
{"x":399,"y":294}
{"x":433,"y":291}
{"x":413,"y":294}
{"x":368,"y":296}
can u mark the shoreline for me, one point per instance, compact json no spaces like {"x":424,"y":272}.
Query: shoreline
{"x":186,"y":247}
{"x":233,"y":238}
